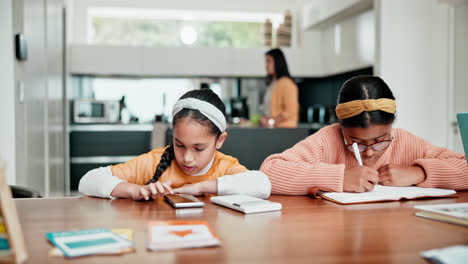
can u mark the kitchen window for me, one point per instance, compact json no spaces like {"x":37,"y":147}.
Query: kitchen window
{"x":176,"y":28}
{"x":144,"y":97}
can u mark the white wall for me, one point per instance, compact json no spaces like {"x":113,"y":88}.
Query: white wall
{"x":7,"y":91}
{"x":412,"y":48}
{"x":323,"y":13}
{"x":349,"y":45}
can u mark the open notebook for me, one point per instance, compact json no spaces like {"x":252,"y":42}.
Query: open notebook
{"x":382,"y":194}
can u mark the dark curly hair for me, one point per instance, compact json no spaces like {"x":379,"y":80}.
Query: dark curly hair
{"x":361,"y":88}
{"x":206,"y":95}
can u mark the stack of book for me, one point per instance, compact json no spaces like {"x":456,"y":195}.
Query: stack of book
{"x":455,"y":213}
{"x":4,"y":244}
{"x":283,"y":34}
{"x":91,"y":242}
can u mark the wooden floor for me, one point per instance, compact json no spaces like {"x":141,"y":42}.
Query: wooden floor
{"x":307,"y":230}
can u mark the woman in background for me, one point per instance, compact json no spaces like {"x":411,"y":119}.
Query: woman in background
{"x":281,"y":102}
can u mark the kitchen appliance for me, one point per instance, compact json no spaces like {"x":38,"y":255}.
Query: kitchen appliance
{"x":95,"y":111}
{"x":317,"y":114}
{"x":238,"y":108}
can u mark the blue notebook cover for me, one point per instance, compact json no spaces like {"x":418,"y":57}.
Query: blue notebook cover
{"x":87,"y":242}
{"x":463,"y":125}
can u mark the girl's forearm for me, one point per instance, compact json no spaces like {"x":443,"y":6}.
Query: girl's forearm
{"x":210,"y":187}
{"x":124,"y":190}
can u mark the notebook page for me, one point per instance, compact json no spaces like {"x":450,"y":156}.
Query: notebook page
{"x":387,"y":193}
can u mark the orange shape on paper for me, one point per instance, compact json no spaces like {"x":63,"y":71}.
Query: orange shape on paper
{"x":181,"y":233}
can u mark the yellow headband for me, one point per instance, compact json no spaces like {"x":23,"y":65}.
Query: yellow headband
{"x":353,"y":108}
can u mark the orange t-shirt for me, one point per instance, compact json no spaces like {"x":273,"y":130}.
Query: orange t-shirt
{"x":142,"y":168}
{"x":285,"y":102}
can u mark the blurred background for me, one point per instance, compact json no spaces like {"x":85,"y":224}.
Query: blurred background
{"x":88,"y":83}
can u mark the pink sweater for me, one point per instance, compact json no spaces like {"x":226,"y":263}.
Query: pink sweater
{"x":321,"y":159}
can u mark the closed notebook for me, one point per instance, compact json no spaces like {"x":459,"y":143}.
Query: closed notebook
{"x":456,"y":213}
{"x":164,"y":235}
{"x":246,"y":204}
{"x":448,"y":255}
{"x":383,"y":194}
{"x":123,"y":232}
{"x":88,"y":242}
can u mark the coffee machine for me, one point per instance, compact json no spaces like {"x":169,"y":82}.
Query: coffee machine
{"x":238,"y":109}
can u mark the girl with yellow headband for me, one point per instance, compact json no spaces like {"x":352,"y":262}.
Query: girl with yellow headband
{"x":390,"y":156}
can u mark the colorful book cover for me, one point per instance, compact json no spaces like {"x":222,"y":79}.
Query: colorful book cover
{"x":5,"y":250}
{"x":123,"y":232}
{"x":164,"y":235}
{"x":87,"y":242}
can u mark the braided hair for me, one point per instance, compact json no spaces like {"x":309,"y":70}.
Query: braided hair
{"x":206,"y":95}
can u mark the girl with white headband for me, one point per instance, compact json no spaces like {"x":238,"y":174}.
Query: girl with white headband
{"x":394,"y":157}
{"x":191,"y":164}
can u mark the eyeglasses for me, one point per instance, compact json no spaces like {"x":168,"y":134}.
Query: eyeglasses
{"x":378,"y":146}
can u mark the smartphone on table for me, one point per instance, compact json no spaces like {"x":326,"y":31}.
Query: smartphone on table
{"x":183,"y":200}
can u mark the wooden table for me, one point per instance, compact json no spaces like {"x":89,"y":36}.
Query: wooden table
{"x":306,"y":230}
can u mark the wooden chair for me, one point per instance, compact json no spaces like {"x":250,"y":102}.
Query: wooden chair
{"x":10,"y":223}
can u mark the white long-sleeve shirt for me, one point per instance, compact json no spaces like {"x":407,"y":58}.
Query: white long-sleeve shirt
{"x":100,"y":183}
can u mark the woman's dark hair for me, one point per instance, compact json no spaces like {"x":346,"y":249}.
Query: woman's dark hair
{"x":362,"y":88}
{"x":206,"y":95}
{"x":281,"y":66}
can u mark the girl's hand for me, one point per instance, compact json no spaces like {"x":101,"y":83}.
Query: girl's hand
{"x":360,"y":179}
{"x":264,"y":121}
{"x":193,"y":189}
{"x":397,"y":175}
{"x":144,"y":192}
{"x":199,"y":188}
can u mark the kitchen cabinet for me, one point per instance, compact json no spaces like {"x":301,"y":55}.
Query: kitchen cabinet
{"x":185,"y":61}
{"x":325,"y":13}
{"x":98,"y":145}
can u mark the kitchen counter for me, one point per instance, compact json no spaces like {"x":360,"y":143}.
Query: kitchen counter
{"x":149,"y":127}
{"x":96,"y":145}
{"x":252,"y":145}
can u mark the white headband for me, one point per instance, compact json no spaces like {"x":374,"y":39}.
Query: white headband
{"x":207,"y":109}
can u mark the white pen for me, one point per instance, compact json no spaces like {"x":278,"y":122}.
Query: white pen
{"x":357,"y":154}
